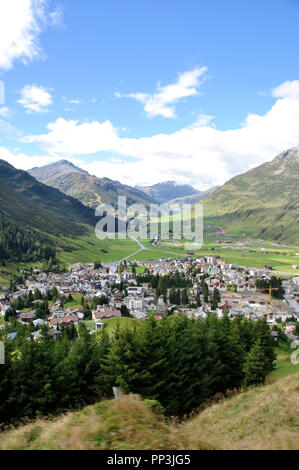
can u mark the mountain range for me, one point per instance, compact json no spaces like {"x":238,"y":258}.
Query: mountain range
{"x":92,"y":190}
{"x":262,"y":203}
{"x":88,"y":189}
{"x":169,"y":190}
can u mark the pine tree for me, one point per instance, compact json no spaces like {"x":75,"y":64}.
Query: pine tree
{"x":154,"y":357}
{"x":254,"y":368}
{"x":54,"y":293}
{"x":185,"y":369}
{"x":122,"y":368}
{"x":37,"y":294}
{"x":205,"y":291}
{"x":178,"y":297}
{"x":172,"y":296}
{"x":262,"y":332}
{"x":215,"y":299}
{"x":105,"y":380}
{"x":198,"y":301}
{"x":124,"y":311}
{"x":82,"y":367}
{"x":237,"y":355}
{"x":185,"y":299}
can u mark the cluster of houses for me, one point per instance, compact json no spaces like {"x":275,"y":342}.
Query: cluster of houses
{"x":236,"y":285}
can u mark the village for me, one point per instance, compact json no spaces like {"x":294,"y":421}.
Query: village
{"x":118,"y":289}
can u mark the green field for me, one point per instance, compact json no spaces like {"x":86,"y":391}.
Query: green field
{"x":7,"y":271}
{"x":284,"y":367}
{"x":89,"y":248}
{"x":122,"y":322}
{"x":281,"y":258}
{"x":281,"y":262}
{"x":76,"y":302}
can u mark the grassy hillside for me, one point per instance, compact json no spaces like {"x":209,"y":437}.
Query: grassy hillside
{"x":261,"y":418}
{"x":34,"y":205}
{"x":193,"y":198}
{"x":265,"y":417}
{"x":28,"y":206}
{"x":261,"y":203}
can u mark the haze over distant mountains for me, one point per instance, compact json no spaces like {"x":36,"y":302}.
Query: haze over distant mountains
{"x":165,"y":191}
{"x":263,"y":202}
{"x":91,"y":190}
{"x":170,"y":191}
{"x":193,"y":198}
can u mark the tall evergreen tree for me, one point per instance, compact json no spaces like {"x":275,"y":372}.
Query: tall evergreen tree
{"x":254,"y":368}
{"x":215,"y":299}
{"x":262,"y":332}
{"x":205,"y":291}
{"x":185,"y":298}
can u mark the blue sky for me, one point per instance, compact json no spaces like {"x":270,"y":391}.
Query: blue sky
{"x":144,"y":91}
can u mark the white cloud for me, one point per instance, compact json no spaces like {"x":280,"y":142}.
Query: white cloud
{"x":4,"y":112}
{"x":161,"y":103}
{"x":202,"y":120}
{"x":72,"y":101}
{"x":35,"y":99}
{"x":21,"y":23}
{"x":23,"y":161}
{"x":201,"y":154}
{"x":87,"y":137}
{"x":288,"y":89}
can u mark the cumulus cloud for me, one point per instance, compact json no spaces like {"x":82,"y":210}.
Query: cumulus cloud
{"x":25,"y":162}
{"x":21,"y":23}
{"x":288,"y":89}
{"x":87,"y":137}
{"x":201,"y":154}
{"x":161,"y":103}
{"x":35,"y":99}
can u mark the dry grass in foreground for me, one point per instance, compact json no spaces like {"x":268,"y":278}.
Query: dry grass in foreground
{"x":260,"y":418}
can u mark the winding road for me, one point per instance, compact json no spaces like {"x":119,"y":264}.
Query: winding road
{"x":142,"y":247}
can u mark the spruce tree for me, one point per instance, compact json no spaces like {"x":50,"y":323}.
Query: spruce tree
{"x":185,"y":299}
{"x":205,"y":292}
{"x":215,"y":299}
{"x":254,"y":367}
{"x":262,"y":332}
{"x":198,"y":301}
